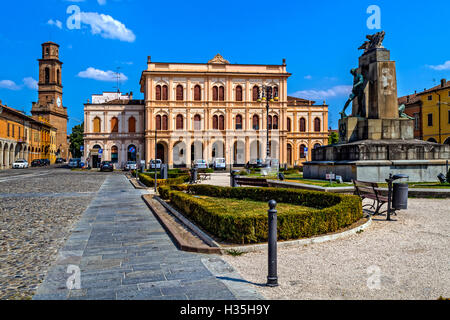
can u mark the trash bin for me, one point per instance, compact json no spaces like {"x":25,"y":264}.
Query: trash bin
{"x":233,"y":178}
{"x":400,"y":196}
{"x":164,"y":171}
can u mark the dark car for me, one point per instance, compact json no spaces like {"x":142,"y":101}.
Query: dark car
{"x":46,"y":162}
{"x":37,"y":163}
{"x":255,"y":163}
{"x":60,"y":160}
{"x":106,"y":166}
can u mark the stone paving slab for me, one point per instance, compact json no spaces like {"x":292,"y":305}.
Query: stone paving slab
{"x":122,"y":252}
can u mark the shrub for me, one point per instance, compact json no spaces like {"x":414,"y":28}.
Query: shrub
{"x":448,"y":176}
{"x":329,"y":212}
{"x":243,"y":173}
{"x":150,"y":182}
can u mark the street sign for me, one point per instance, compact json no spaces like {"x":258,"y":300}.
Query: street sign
{"x":330,"y":176}
{"x":132,"y":149}
{"x":100,"y":151}
{"x":81,"y":148}
{"x":306,"y":149}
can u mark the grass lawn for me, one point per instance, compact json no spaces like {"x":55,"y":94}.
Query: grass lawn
{"x":251,"y":207}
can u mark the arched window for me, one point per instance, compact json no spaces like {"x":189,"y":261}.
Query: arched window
{"x":114,"y":154}
{"x":255,"y":122}
{"x":97,"y":125}
{"x":197,"y":93}
{"x":158,"y":92}
{"x":215,"y":122}
{"x":165,"y":93}
{"x":275,"y":123}
{"x":47,"y":75}
{"x":158,"y":122}
{"x":221,"y":122}
{"x":302,"y":125}
{"x":215,"y":93}
{"x":289,"y":154}
{"x":269,"y":122}
{"x":317,"y":145}
{"x":179,"y":124}
{"x":165,"y":122}
{"x":197,"y":122}
{"x":238,"y":122}
{"x":221,"y":93}
{"x":180,"y":93}
{"x":58,"y":77}
{"x":238,"y":93}
{"x":132,"y":125}
{"x":289,"y":125}
{"x":114,"y":125}
{"x":255,"y":93}
{"x":317,"y":125}
{"x":302,"y":151}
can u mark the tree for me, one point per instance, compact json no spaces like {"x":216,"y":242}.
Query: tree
{"x":76,"y":140}
{"x":333,"y":138}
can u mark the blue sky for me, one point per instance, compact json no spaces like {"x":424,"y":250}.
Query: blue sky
{"x":320,"y":43}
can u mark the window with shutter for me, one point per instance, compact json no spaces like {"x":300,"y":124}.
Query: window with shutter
{"x":302,"y":151}
{"x":114,"y":125}
{"x":165,"y":122}
{"x":197,"y":93}
{"x":317,"y":125}
{"x":179,"y":124}
{"x":131,"y":125}
{"x":97,"y":125}
{"x":197,"y":122}
{"x":269,"y":122}
{"x":221,"y":93}
{"x":238,"y":122}
{"x":215,"y":93}
{"x":158,"y":92}
{"x":180,"y":95}
{"x":255,"y":122}
{"x":221,"y":122}
{"x":275,"y":123}
{"x":255,"y":93}
{"x":238,"y":93}
{"x":158,"y":122}
{"x":289,"y":124}
{"x":302,"y":125}
{"x":215,"y":123}
{"x":165,"y":93}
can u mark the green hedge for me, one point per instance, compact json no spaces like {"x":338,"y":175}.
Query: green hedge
{"x":150,"y":182}
{"x":329,"y":212}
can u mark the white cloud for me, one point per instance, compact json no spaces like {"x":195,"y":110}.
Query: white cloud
{"x":55,"y":23}
{"x":107,"y":27}
{"x":336,"y":91}
{"x":100,"y":75}
{"x":308,"y":77}
{"x":441,"y":67}
{"x":101,"y":2}
{"x":8,"y":84}
{"x":30,"y":83}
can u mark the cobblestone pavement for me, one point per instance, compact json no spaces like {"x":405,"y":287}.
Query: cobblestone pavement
{"x":38,"y":207}
{"x":118,"y":250}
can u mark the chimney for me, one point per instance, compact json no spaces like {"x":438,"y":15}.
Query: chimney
{"x":131,"y":95}
{"x":443,"y":82}
{"x":149,"y":59}
{"x":407,"y":99}
{"x":284,"y":62}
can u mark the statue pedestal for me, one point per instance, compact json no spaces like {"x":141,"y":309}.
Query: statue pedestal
{"x":355,"y":129}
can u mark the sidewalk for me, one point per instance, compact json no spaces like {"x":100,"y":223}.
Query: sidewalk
{"x":120,"y":251}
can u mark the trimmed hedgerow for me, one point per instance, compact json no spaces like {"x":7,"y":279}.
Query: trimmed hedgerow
{"x":150,"y":182}
{"x":329,"y":212}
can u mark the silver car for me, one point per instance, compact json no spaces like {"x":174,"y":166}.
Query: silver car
{"x":20,"y":164}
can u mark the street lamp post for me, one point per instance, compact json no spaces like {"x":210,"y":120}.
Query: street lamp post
{"x":156,"y":156}
{"x":267,"y":94}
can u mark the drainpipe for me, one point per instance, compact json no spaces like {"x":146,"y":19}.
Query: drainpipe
{"x":439,"y":110}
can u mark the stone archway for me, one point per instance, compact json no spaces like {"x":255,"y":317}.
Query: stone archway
{"x":179,"y":155}
{"x":196,"y":151}
{"x":161,"y":152}
{"x":239,"y":153}
{"x":217,"y":150}
{"x":6,"y":156}
{"x":11,"y":155}
{"x":255,"y":150}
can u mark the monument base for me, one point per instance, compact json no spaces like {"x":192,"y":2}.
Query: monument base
{"x":374,"y":160}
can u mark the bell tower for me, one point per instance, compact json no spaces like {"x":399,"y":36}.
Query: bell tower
{"x":50,"y":96}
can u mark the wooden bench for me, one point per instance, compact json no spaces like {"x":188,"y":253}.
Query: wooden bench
{"x":253,"y":182}
{"x":370,"y":190}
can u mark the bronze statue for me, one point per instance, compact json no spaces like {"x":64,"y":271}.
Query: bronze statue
{"x":357,"y":92}
{"x":375,"y":41}
{"x":402,"y":114}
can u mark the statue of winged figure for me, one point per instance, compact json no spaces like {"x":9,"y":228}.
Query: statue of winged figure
{"x":375,"y":41}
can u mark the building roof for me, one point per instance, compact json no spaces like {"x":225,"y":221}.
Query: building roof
{"x":24,"y":116}
{"x":443,"y":85}
{"x":409,"y":99}
{"x":301,"y":102}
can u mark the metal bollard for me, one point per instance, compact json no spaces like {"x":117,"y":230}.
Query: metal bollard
{"x":272,"y":278}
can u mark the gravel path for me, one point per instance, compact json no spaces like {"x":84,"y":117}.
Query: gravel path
{"x":34,"y":228}
{"x":405,"y":259}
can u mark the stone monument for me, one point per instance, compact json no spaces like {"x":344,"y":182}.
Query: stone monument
{"x":378,"y":137}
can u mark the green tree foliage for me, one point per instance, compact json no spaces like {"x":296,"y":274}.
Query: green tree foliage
{"x":334,"y":138}
{"x":76,"y":140}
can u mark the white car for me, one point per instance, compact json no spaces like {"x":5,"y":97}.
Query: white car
{"x":20,"y":164}
{"x":131,"y":165}
{"x":155,"y":163}
{"x":219,"y":164}
{"x":200,"y":164}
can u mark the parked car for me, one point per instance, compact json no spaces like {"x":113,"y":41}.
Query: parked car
{"x":60,"y":160}
{"x":37,"y":163}
{"x":46,"y":162}
{"x":200,"y":164}
{"x":219,"y":164}
{"x":155,"y":164}
{"x":20,"y":164}
{"x":255,"y":163}
{"x":106,"y":166}
{"x":74,"y":163}
{"x":130,"y":165}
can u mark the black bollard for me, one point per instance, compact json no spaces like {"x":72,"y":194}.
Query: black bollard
{"x":272,"y":278}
